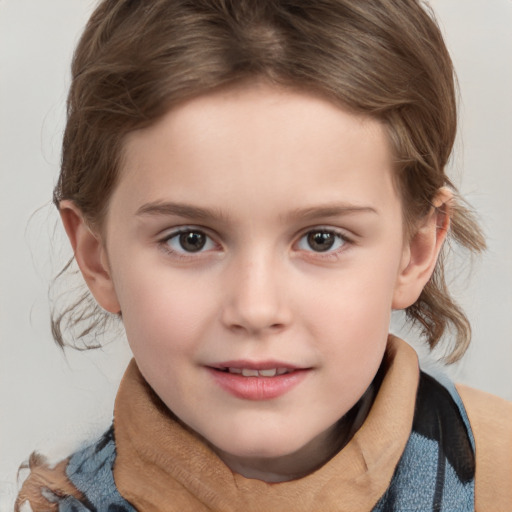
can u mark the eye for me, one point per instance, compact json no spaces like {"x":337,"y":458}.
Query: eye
{"x":321,"y":240}
{"x":188,"y":241}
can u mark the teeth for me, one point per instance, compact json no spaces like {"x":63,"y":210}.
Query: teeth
{"x":250,"y":372}
{"x":246,"y":372}
{"x":268,"y":373}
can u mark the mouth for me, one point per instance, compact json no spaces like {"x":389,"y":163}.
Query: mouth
{"x":253,"y":372}
{"x":258,"y":381}
{"x":247,"y":368}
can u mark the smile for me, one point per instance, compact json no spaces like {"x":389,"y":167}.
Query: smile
{"x":251,"y":372}
{"x":253,"y":381}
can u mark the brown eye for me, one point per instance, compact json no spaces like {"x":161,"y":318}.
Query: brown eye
{"x":188,"y":241}
{"x":192,"y":241}
{"x":321,"y":241}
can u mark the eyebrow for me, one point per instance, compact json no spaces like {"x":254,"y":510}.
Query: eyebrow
{"x":196,"y":212}
{"x":180,"y":210}
{"x":330,"y":210}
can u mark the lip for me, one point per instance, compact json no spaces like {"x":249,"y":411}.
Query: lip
{"x":255,"y":365}
{"x":257,"y":388}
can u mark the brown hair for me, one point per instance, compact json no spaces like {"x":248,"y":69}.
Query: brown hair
{"x":382,"y":58}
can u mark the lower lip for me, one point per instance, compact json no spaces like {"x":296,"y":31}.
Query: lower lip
{"x":258,"y":388}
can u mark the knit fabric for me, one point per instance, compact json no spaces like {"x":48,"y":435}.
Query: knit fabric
{"x":437,"y":469}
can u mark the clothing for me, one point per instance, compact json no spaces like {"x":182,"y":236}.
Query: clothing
{"x":414,"y":452}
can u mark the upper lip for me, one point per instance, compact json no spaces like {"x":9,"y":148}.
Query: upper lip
{"x":255,"y":365}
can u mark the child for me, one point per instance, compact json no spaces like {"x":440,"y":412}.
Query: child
{"x":253,"y":187}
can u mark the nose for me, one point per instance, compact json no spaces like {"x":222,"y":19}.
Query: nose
{"x":255,"y":297}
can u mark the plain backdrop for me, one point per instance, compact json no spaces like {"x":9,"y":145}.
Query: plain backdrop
{"x":51,"y":402}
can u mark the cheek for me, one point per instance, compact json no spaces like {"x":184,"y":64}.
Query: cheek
{"x":165,"y":324}
{"x":161,"y":314}
{"x":350,"y":321}
{"x":354,"y":332}
{"x":356,"y":297}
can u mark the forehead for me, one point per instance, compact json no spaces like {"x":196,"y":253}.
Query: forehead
{"x":242,"y":143}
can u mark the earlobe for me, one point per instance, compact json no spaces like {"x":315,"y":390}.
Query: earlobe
{"x":91,"y":256}
{"x":422,"y":251}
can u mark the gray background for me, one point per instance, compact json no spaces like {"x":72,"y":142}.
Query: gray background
{"x":49,"y":402}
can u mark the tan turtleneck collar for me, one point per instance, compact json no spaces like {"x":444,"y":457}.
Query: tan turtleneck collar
{"x":161,"y":466}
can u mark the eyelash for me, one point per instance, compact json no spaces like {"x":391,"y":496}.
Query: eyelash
{"x":329,"y":254}
{"x":183,"y":254}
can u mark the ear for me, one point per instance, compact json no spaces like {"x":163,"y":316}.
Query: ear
{"x":91,"y":256}
{"x":422,"y":250}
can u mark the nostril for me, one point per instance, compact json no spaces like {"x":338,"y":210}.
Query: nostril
{"x":237,"y":328}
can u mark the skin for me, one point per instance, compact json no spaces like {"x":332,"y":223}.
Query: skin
{"x":256,"y":169}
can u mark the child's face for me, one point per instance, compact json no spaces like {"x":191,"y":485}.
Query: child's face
{"x":257,"y":228}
